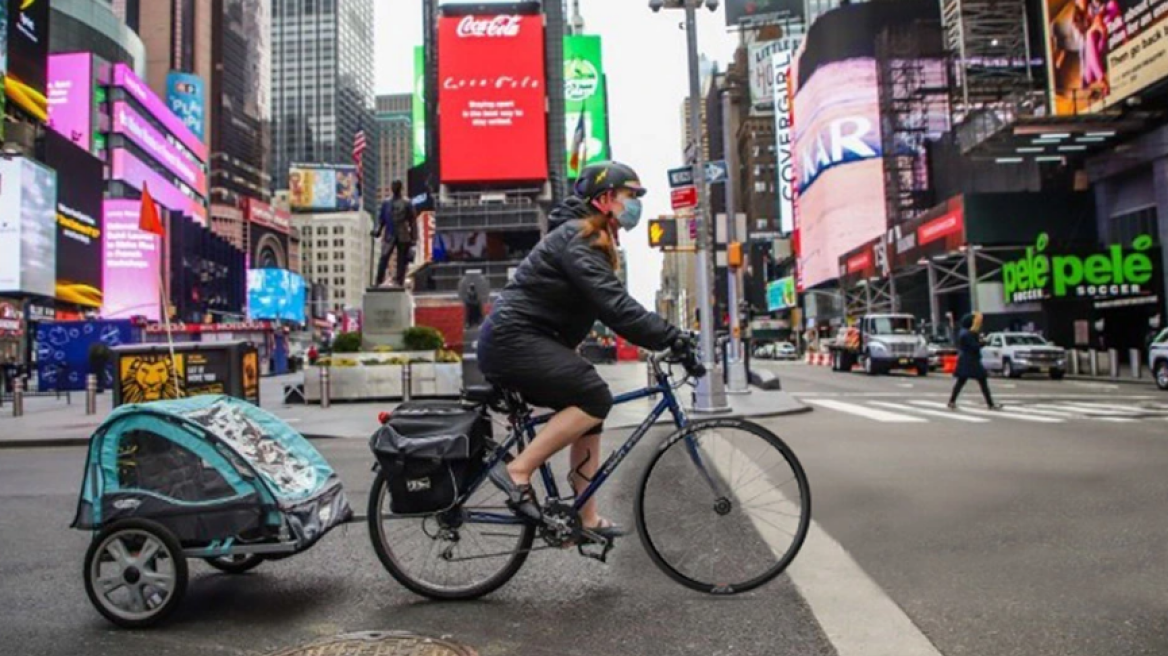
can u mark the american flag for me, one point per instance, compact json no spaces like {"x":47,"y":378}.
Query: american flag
{"x":359,"y":146}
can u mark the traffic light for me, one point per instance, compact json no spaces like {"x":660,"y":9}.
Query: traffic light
{"x":663,"y":233}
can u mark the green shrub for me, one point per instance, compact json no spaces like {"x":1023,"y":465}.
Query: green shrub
{"x":423,"y":338}
{"x":347,"y":343}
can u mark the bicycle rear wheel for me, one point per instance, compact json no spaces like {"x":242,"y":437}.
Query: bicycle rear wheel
{"x":448,"y":556}
{"x":724,"y":506}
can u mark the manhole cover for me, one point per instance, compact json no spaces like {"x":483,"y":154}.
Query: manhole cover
{"x":381,"y":644}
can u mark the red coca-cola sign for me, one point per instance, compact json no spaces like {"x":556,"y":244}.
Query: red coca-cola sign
{"x":492,"y":98}
{"x":490,"y":26}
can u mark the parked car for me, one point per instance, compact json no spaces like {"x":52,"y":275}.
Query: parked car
{"x":776,"y":351}
{"x":1016,"y":354}
{"x":1158,"y":359}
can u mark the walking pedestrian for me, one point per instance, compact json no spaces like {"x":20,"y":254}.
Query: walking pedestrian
{"x":969,"y":364}
{"x":397,"y":226}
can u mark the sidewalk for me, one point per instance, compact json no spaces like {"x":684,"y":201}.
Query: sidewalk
{"x":49,"y":422}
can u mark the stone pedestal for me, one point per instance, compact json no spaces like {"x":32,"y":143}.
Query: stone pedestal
{"x":388,"y":312}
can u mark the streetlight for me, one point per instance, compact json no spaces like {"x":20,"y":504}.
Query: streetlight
{"x":710,"y":396}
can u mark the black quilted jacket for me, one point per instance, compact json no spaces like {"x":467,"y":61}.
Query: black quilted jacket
{"x":566,"y":284}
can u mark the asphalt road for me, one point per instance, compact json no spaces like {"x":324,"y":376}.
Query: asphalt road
{"x":993,"y":534}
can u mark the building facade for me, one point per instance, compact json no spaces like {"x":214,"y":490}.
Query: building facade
{"x":240,"y":93}
{"x":177,"y":36}
{"x":395,"y":150}
{"x":335,"y":251}
{"x":94,"y":26}
{"x":322,"y":83}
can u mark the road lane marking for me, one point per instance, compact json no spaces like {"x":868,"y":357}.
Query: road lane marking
{"x":995,"y":413}
{"x":932,"y":413}
{"x":1118,"y":420}
{"x":856,"y":615}
{"x":1123,"y":408}
{"x":866,"y":412}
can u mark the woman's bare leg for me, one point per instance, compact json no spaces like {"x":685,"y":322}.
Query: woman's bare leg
{"x":585,"y":463}
{"x":564,"y":428}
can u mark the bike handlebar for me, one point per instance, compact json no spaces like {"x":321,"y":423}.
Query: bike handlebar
{"x":683,"y":351}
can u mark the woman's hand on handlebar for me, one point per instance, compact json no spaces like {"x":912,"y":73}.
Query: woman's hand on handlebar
{"x":683,"y":351}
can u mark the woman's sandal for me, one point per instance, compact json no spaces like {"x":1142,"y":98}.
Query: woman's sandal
{"x":607,"y":529}
{"x":520,"y":498}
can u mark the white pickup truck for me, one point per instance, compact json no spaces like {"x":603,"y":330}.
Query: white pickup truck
{"x":1158,"y":359}
{"x":1015,"y":354}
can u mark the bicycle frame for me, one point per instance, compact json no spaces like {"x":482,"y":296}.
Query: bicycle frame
{"x":526,"y":433}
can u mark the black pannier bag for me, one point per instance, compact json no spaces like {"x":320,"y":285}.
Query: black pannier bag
{"x":430,"y":451}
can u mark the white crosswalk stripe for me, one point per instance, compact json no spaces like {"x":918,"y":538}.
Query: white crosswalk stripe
{"x":995,"y":413}
{"x":954,"y":416}
{"x":866,"y":412}
{"x":1039,"y":410}
{"x":1045,"y":411}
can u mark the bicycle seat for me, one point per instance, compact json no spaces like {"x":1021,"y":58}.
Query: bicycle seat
{"x":480,"y":394}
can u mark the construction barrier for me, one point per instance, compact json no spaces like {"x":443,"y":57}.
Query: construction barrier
{"x":948,"y":364}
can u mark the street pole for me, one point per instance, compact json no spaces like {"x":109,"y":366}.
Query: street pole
{"x":737,"y":382}
{"x":710,"y":395}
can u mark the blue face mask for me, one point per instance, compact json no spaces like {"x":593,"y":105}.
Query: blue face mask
{"x":631,"y":216}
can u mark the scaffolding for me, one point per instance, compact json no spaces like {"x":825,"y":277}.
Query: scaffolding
{"x":993,"y":81}
{"x":914,"y":108}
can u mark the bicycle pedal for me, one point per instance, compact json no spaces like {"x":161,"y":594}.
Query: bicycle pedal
{"x":596,"y":548}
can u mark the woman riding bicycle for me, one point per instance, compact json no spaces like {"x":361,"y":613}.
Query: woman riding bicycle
{"x":528,"y":344}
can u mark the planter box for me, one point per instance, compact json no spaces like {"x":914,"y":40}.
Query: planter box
{"x":373,"y":382}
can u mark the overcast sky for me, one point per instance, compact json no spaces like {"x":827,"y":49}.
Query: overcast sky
{"x":645,"y":93}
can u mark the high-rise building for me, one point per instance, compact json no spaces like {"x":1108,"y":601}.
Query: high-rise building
{"x":395,"y":151}
{"x":240,"y":109}
{"x":177,"y":36}
{"x":322,"y":83}
{"x":334,"y":249}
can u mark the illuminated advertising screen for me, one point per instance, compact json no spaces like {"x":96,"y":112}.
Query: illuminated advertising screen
{"x":1100,"y":52}
{"x":124,"y":78}
{"x":784,"y":124}
{"x":586,"y":99}
{"x":72,"y":102}
{"x":125,"y":167}
{"x":492,"y":95}
{"x":132,"y":265}
{"x":28,"y":53}
{"x":79,"y":227}
{"x":28,"y":234}
{"x":275,"y":294}
{"x":837,"y":151}
{"x":126,"y":121}
{"x":419,"y":105}
{"x":781,"y":294}
{"x":323,"y":188}
{"x":185,"y":97}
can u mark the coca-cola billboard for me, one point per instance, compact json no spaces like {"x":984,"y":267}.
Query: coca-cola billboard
{"x":492,"y":98}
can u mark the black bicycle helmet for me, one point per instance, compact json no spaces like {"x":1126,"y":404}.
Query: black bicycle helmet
{"x":598,"y":178}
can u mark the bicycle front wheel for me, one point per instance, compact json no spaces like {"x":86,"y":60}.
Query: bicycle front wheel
{"x":724,"y":506}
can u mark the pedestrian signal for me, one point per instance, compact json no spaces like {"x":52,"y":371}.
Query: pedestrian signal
{"x":663,"y":233}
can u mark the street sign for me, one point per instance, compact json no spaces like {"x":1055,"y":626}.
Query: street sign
{"x":684,"y":197}
{"x":717,"y":172}
{"x":682,"y":177}
{"x":663,"y":233}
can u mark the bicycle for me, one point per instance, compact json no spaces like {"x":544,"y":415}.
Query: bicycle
{"x":696,"y":450}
